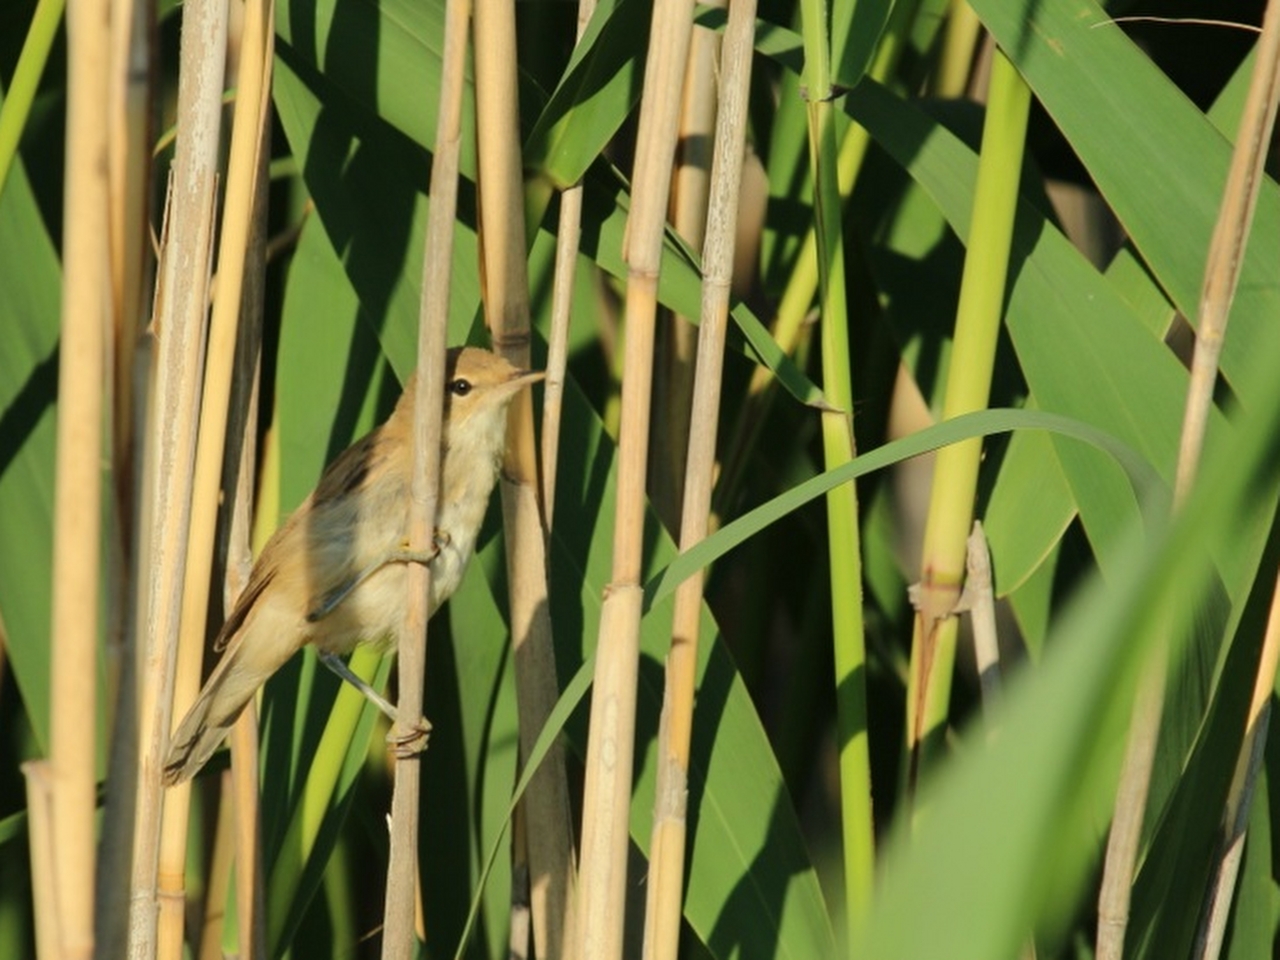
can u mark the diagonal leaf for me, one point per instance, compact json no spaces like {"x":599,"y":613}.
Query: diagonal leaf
{"x":29,"y":313}
{"x":1161,"y":167}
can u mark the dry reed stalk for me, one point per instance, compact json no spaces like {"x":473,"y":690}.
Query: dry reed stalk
{"x":129,"y":172}
{"x":1235,"y":820}
{"x":1222,"y":274}
{"x":610,"y":749}
{"x":178,"y":325}
{"x":982,"y":613}
{"x":667,"y":848}
{"x":677,"y":336}
{"x":242,"y":792}
{"x":568,"y":235}
{"x":550,"y":834}
{"x":242,"y":183}
{"x":208,"y":939}
{"x":77,"y":505}
{"x":44,"y":894}
{"x":240,"y":473}
{"x":398,"y":935}
{"x":129,"y":133}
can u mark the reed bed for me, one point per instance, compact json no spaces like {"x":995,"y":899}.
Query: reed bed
{"x":889,"y":574}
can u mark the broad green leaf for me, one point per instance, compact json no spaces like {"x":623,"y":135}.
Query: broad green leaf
{"x":1008,"y":830}
{"x":385,"y":53}
{"x":1161,"y":166}
{"x":367,"y":181}
{"x":29,"y":314}
{"x":1030,"y":508}
{"x":856,"y":28}
{"x":600,"y":88}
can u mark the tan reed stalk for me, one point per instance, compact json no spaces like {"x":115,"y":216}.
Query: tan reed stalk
{"x":611,"y":745}
{"x":520,"y":934}
{"x":208,"y":939}
{"x":667,"y":848}
{"x":677,"y":338}
{"x":242,"y":791}
{"x":77,"y":501}
{"x":240,"y":474}
{"x":550,"y":834}
{"x":129,"y":171}
{"x":1235,"y":820}
{"x":178,"y":325}
{"x":129,"y":163}
{"x":1222,"y":273}
{"x":982,"y":612}
{"x":568,"y":235}
{"x":44,"y":895}
{"x":242,"y":182}
{"x":548,"y":812}
{"x":400,"y":910}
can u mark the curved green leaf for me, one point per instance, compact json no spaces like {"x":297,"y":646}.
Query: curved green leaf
{"x":1141,"y":477}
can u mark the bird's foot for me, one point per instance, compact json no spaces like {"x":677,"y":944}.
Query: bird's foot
{"x":409,"y":740}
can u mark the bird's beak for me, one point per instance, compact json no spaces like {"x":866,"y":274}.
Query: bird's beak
{"x":525,"y":377}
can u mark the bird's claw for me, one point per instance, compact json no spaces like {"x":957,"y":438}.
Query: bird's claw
{"x":409,"y":740}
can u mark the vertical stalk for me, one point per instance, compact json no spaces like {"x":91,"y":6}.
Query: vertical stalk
{"x":398,"y":935}
{"x":1235,"y":818}
{"x":667,"y":848}
{"x":797,"y":298}
{"x":1222,"y":274}
{"x":955,"y":477}
{"x":611,"y":746}
{"x":246,"y":156}
{"x":77,"y":494}
{"x":129,"y":129}
{"x":690,"y":188}
{"x":26,"y":80}
{"x":568,"y":235}
{"x":838,"y":448}
{"x":240,"y":474}
{"x":181,"y":300}
{"x":44,"y":894}
{"x":959,"y":41}
{"x":547,"y":808}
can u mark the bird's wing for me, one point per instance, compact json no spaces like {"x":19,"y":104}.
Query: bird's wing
{"x":350,"y":470}
{"x":262,"y":576}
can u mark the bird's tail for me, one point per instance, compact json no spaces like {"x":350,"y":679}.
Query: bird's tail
{"x":225,"y":694}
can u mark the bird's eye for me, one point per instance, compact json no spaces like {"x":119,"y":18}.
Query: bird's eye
{"x":460,"y":387}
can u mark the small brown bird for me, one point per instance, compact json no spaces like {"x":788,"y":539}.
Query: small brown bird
{"x":334,"y":574}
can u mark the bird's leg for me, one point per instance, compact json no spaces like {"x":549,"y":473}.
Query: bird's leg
{"x":339,"y":666}
{"x":402,"y":554}
{"x":408,"y":739}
